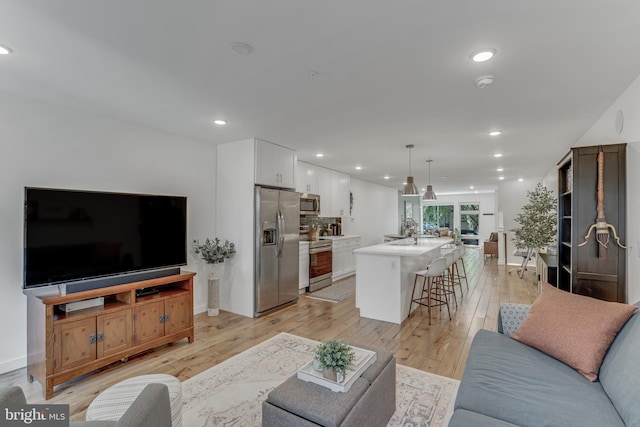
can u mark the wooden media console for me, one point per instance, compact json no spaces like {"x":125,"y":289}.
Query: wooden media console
{"x":65,"y":345}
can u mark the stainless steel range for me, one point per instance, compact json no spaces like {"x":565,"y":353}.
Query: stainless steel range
{"x":320,"y":264}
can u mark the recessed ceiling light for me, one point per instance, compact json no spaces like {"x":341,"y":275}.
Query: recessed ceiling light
{"x":471,"y":187}
{"x":501,"y":177}
{"x":499,"y":169}
{"x":497,"y":155}
{"x":483,"y":54}
{"x":5,"y":50}
{"x":386,"y":177}
{"x":476,"y":192}
{"x":319,"y":155}
{"x":220,"y":122}
{"x":520,"y":179}
{"x":445,"y":177}
{"x":423,"y":190}
{"x":404,"y":183}
{"x":495,"y":133}
{"x":241,"y":48}
{"x":358,"y":167}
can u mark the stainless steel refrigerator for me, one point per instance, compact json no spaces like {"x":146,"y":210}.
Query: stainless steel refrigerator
{"x":277,"y":231}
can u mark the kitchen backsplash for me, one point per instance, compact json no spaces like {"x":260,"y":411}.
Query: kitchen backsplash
{"x":323,"y":223}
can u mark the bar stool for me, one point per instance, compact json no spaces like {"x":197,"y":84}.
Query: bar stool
{"x":433,"y":286}
{"x":451,"y":281}
{"x":459,"y":256}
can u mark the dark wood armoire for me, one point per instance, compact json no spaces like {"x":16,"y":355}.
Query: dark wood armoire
{"x":582,"y":270}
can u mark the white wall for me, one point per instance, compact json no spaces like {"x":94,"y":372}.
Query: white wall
{"x":604,"y":131}
{"x":235,"y":222}
{"x":375,"y":212}
{"x":45,"y":146}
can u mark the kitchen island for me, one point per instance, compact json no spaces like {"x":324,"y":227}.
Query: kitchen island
{"x":384,"y":275}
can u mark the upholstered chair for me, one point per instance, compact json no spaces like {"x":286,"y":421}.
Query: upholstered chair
{"x":150,"y":408}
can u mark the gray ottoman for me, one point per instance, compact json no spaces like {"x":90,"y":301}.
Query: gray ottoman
{"x":371,"y":401}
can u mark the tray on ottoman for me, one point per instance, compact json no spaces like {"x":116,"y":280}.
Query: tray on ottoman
{"x":363,"y":359}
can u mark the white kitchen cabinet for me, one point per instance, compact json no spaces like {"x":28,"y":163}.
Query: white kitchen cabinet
{"x":337,"y":249}
{"x":349,"y":256}
{"x":340,"y":187}
{"x":333,"y":188}
{"x":307,"y":179}
{"x":303,"y":280}
{"x":324,"y":190}
{"x":275,"y":165}
{"x":343,"y":258}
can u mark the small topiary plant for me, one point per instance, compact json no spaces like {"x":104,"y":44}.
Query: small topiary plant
{"x":335,"y":355}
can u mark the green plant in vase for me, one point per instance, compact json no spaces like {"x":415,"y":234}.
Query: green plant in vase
{"x":334,"y":357}
{"x":214,"y":252}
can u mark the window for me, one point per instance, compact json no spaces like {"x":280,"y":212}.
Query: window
{"x":469,"y":222}
{"x":437,"y":216}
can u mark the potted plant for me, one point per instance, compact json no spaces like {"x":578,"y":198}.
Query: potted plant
{"x":334,"y":357}
{"x":537,"y":224}
{"x":214,"y":252}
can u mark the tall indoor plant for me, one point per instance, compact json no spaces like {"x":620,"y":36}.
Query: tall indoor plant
{"x":537,"y":223}
{"x":214,"y":252}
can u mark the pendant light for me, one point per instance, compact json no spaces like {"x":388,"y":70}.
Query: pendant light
{"x":410,"y":188}
{"x":429,"y":194}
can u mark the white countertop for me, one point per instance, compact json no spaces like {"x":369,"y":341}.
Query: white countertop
{"x":406,"y":247}
{"x":346,"y":236}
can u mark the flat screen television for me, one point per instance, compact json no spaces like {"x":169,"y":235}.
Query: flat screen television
{"x":72,"y":236}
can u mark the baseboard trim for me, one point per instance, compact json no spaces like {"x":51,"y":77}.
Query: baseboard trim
{"x":13,"y":364}
{"x":200,"y":308}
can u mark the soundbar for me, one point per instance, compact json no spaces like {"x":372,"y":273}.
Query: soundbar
{"x":104,"y":282}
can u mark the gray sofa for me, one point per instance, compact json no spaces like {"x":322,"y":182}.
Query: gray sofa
{"x":507,"y":383}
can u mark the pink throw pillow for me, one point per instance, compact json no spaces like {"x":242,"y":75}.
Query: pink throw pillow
{"x":574,"y":329}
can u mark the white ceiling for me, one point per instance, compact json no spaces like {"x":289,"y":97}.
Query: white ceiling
{"x":389,"y":73}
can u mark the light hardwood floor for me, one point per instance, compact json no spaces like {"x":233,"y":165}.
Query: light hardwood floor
{"x":441,"y":348}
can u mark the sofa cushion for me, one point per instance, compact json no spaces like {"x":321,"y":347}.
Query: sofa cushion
{"x":511,"y":316}
{"x":573,"y":328}
{"x":619,"y":373}
{"x":512,"y":382}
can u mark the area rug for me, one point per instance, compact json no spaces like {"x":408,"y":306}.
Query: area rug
{"x":335,"y":293}
{"x":231,"y":393}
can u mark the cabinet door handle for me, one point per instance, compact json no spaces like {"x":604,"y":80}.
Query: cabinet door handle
{"x":100,"y":337}
{"x":92,"y":339}
{"x":162,"y":318}
{"x":166,"y":317}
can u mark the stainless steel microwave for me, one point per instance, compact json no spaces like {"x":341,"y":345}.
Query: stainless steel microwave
{"x":309,"y":204}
